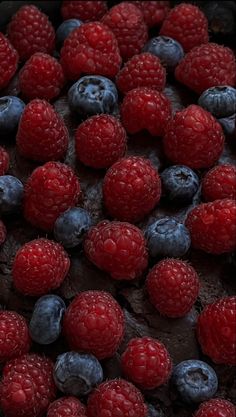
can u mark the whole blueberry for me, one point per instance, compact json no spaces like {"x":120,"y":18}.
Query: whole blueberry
{"x":11,"y":194}
{"x":168,"y":50}
{"x":77,"y":374}
{"x":195,"y":381}
{"x":65,"y":29}
{"x":219,"y":101}
{"x":180,"y":183}
{"x":70,"y":226}
{"x":153,"y":412}
{"x":11,"y":108}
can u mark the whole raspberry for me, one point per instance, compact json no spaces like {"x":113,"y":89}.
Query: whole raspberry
{"x":30,"y":31}
{"x":143,"y":70}
{"x":8,"y":62}
{"x":90,"y":49}
{"x":193,"y":138}
{"x":100,"y":141}
{"x":42,"y":134}
{"x":206,"y":66}
{"x":144,"y":108}
{"x":66,"y":407}
{"x":4,"y":161}
{"x":146,"y":362}
{"x":127,"y":23}
{"x":41,"y":77}
{"x":87,"y":11}
{"x":3,"y":232}
{"x":94,"y":323}
{"x":50,"y":190}
{"x":216,"y":408}
{"x":173,"y":287}
{"x":154,"y":12}
{"x":216,"y":330}
{"x":131,"y":188}
{"x":212,"y":226}
{"x":118,"y":248}
{"x":219,"y":183}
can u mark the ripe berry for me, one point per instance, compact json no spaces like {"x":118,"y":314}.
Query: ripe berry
{"x":3,"y":232}
{"x":154,"y":412}
{"x":11,"y":108}
{"x":219,"y":183}
{"x":216,"y":408}
{"x":71,"y":226}
{"x":219,"y":101}
{"x":11,"y":194}
{"x":168,"y":50}
{"x":4,"y":161}
{"x":9,"y":61}
{"x":221,"y":18}
{"x":180,"y":183}
{"x":64,"y":30}
{"x":87,"y":11}
{"x":154,"y":12}
{"x":66,"y":407}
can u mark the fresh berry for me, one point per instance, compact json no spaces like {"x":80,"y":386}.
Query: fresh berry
{"x":50,"y":190}
{"x":3,"y":233}
{"x":212,"y":226}
{"x":146,"y":362}
{"x":168,"y":50}
{"x":100,"y":141}
{"x":216,"y":408}
{"x":66,"y":407}
{"x":9,"y":61}
{"x":87,"y":11}
{"x":4,"y":161}
{"x":219,"y":101}
{"x":180,"y":183}
{"x":42,"y":134}
{"x":11,"y":108}
{"x":219,"y":183}
{"x":94,"y":323}
{"x":11,"y":194}
{"x":193,"y":138}
{"x":221,"y":18}
{"x":65,"y":29}
{"x":39,"y":266}
{"x":30,"y":31}
{"x":71,"y":226}
{"x":173,"y":287}
{"x":216,"y":330}
{"x":154,"y":412}
{"x":154,"y":12}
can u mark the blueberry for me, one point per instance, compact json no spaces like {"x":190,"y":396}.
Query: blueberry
{"x":195,"y":381}
{"x":11,"y":194}
{"x":180,"y":183}
{"x":220,"y":16}
{"x":77,"y":374}
{"x":153,"y":412}
{"x":167,"y":237}
{"x":65,"y":29}
{"x":71,"y":226}
{"x":168,"y":50}
{"x":93,"y":94}
{"x":219,"y":101}
{"x":11,"y":108}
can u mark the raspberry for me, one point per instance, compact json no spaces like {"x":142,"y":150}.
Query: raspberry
{"x":66,"y":407}
{"x":216,"y":408}
{"x":212,"y":226}
{"x":42,"y":134}
{"x":90,"y":49}
{"x":219,"y":183}
{"x":94,"y":323}
{"x":8,"y":62}
{"x":146,"y":362}
{"x":143,"y":70}
{"x":117,"y":248}
{"x":154,"y":12}
{"x":144,"y":108}
{"x":187,"y":24}
{"x":131,"y":189}
{"x":100,"y":141}
{"x":207,"y":66}
{"x":41,"y":77}
{"x":87,"y":11}
{"x":30,"y":31}
{"x":193,"y":138}
{"x":4,"y":161}
{"x":173,"y":287}
{"x":127,"y":23}
{"x":3,"y":232}
{"x":50,"y":190}
{"x":216,"y":330}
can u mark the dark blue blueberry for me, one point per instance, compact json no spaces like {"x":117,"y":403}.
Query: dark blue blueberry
{"x":11,"y":108}
{"x":153,"y":412}
{"x":93,"y":94}
{"x":70,"y":227}
{"x":180,"y":183}
{"x":195,"y":381}
{"x":11,"y":193}
{"x":220,"y":16}
{"x":45,"y":323}
{"x":167,"y":237}
{"x":168,"y":50}
{"x":65,"y":29}
{"x":219,"y":101}
{"x":77,"y":374}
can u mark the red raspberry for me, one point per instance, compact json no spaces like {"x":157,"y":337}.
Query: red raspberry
{"x":42,"y":134}
{"x":146,"y":362}
{"x":212,"y":226}
{"x":41,"y":77}
{"x":94,"y":323}
{"x":216,"y":408}
{"x":3,"y":232}
{"x":194,"y":138}
{"x":8,"y":62}
{"x":143,"y":70}
{"x":154,"y":12}
{"x":131,"y":189}
{"x":207,"y":66}
{"x":173,"y":287}
{"x":216,"y":330}
{"x":30,"y":31}
{"x":90,"y":49}
{"x":83,"y":10}
{"x":144,"y":108}
{"x":117,"y":248}
{"x":100,"y":141}
{"x":50,"y":190}
{"x":219,"y":183}
{"x":66,"y":407}
{"x":127,"y":23}
{"x":4,"y":161}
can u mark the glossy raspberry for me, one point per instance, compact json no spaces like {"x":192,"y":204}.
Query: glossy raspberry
{"x":87,"y":11}
{"x":50,"y":190}
{"x":42,"y":134}
{"x":94,"y":323}
{"x":193,"y":138}
{"x":212,"y":226}
{"x":100,"y":141}
{"x":216,"y":330}
{"x":154,"y":12}
{"x":30,"y":31}
{"x":8,"y":62}
{"x":66,"y":407}
{"x":3,"y":232}
{"x":217,"y":407}
{"x":219,"y":183}
{"x":4,"y":161}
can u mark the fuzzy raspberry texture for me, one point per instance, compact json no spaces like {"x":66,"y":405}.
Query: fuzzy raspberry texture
{"x":194,"y":138}
{"x":27,"y":387}
{"x":42,"y":135}
{"x":212,"y":226}
{"x":127,"y":23}
{"x":9,"y":61}
{"x":154,"y":12}
{"x":87,"y":11}
{"x":90,"y":49}
{"x":66,"y":407}
{"x":50,"y":190}
{"x":216,"y":408}
{"x":118,"y":248}
{"x":206,"y":66}
{"x":131,"y":189}
{"x":216,"y":330}
{"x":116,"y":397}
{"x":4,"y":161}
{"x":3,"y":232}
{"x":219,"y":183}
{"x":94,"y":323}
{"x":100,"y":141}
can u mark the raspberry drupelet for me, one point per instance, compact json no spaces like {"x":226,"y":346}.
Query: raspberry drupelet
{"x":9,"y":61}
{"x":66,"y":407}
{"x":219,"y":183}
{"x":217,"y":407}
